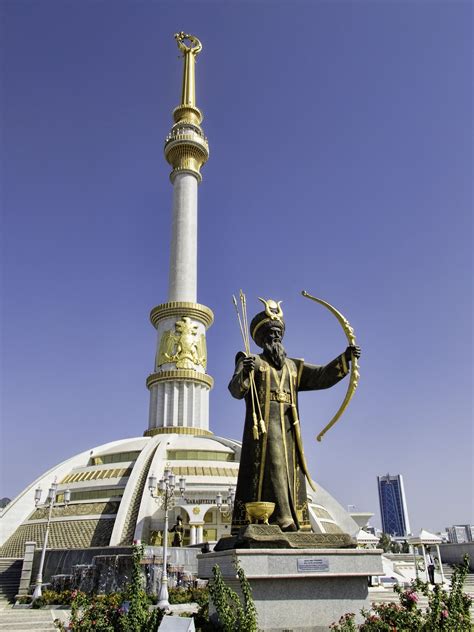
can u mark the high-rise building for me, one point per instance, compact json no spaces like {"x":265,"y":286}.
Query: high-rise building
{"x":393,"y":506}
{"x":460,"y":533}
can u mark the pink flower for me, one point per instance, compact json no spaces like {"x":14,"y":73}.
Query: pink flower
{"x":412,"y":596}
{"x":444,"y":613}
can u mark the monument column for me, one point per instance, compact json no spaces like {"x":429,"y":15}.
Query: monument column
{"x":199,"y":534}
{"x":179,"y":386}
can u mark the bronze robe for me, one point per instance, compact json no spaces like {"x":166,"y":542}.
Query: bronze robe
{"x":273,"y":467}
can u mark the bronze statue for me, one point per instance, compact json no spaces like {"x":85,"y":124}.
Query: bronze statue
{"x":178,"y":531}
{"x":272,"y":466}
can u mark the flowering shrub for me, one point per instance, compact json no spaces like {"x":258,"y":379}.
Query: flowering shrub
{"x":94,"y":613}
{"x":110,"y":613}
{"x":345,"y":624}
{"x":448,"y":611}
{"x":408,"y":598}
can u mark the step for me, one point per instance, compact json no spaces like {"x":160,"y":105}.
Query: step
{"x":24,"y":620}
{"x":10,"y":575}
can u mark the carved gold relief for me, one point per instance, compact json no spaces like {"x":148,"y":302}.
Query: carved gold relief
{"x":184,"y":346}
{"x":83,"y":509}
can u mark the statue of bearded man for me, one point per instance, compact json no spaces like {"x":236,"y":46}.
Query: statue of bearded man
{"x":272,"y":465}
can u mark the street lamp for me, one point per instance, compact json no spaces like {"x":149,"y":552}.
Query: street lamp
{"x":51,"y":502}
{"x":164,"y":494}
{"x":227,"y":507}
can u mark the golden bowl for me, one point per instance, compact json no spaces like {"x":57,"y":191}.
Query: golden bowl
{"x":259,"y":511}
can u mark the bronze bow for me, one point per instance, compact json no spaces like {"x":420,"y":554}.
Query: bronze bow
{"x":354,"y":379}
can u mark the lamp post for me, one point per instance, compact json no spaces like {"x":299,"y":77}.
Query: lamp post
{"x":227,"y":507}
{"x":164,"y":494}
{"x":51,"y":502}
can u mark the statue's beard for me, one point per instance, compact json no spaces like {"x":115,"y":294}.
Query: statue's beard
{"x":275,"y":352}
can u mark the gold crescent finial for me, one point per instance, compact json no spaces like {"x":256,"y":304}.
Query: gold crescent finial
{"x":181,"y":37}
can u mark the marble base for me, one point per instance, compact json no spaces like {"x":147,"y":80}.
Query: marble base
{"x":261,"y":536}
{"x":303,"y":590}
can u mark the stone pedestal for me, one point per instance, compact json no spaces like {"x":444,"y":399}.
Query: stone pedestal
{"x":299,"y":590}
{"x":270,"y":536}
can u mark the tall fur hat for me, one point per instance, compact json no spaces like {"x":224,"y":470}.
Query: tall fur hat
{"x":263,"y":321}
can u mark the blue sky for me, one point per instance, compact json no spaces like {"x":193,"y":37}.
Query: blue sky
{"x":341,"y":163}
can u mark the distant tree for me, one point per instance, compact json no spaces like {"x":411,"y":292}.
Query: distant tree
{"x":405,"y":547}
{"x":395,"y":547}
{"x":385,"y":542}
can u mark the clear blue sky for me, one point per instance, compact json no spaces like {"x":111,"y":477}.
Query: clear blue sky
{"x":341,"y":163}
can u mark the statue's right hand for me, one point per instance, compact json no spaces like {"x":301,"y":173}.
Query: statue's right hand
{"x":249,"y":364}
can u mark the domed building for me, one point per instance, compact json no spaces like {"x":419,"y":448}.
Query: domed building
{"x":107,"y":487}
{"x":111,"y":505}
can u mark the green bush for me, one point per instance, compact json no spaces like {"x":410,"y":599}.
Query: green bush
{"x":232,"y":614}
{"x":62,"y":598}
{"x":188,"y":595}
{"x":448,"y":611}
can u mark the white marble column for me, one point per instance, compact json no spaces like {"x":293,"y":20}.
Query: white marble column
{"x":199,"y":534}
{"x":192,"y":534}
{"x":183,"y":257}
{"x":440,"y":564}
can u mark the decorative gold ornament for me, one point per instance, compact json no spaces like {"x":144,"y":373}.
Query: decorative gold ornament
{"x":77,"y":509}
{"x":259,"y":511}
{"x":196,"y":511}
{"x":196,"y":311}
{"x":183,"y":346}
{"x":181,"y":375}
{"x":273,"y":309}
{"x":354,"y":380}
{"x":177,"y":430}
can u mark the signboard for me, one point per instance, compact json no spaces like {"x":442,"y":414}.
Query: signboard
{"x":313,"y":565}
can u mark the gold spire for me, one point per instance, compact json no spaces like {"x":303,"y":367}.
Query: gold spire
{"x":186,"y":147}
{"x":187,"y":110}
{"x":188,"y":95}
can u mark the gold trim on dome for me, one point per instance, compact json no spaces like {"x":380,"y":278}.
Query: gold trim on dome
{"x":182,"y":375}
{"x":151,"y":432}
{"x":203,"y":470}
{"x":76,"y":509}
{"x":197,"y":311}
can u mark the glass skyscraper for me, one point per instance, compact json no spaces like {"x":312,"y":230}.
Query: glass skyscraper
{"x":393,"y":506}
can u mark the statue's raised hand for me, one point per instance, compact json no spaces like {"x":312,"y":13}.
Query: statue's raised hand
{"x":352,"y":351}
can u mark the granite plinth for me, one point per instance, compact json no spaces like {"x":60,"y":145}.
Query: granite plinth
{"x":262,"y":536}
{"x":302,"y":590}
